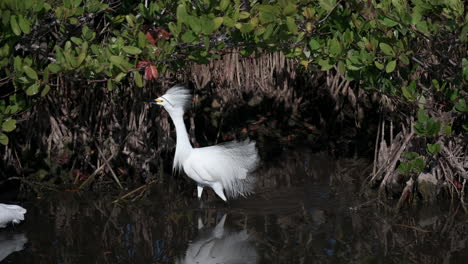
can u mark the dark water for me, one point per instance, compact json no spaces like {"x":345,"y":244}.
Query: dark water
{"x":297,"y":216}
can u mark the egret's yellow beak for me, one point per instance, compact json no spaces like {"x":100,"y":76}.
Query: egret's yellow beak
{"x":158,"y":100}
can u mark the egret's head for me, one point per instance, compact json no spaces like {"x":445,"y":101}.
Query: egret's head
{"x":177,"y":98}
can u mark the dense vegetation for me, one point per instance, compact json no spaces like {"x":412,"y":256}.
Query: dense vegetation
{"x":74,"y":75}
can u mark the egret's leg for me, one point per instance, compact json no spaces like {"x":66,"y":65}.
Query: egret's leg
{"x":218,"y":188}
{"x":200,"y":191}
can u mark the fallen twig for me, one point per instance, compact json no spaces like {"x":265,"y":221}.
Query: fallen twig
{"x":134,"y":191}
{"x":106,"y":162}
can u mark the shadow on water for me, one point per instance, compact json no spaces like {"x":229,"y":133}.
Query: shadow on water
{"x":299,"y":215}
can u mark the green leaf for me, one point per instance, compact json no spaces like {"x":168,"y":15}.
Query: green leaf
{"x":244,"y":15}
{"x":30,"y":72}
{"x":119,"y":77}
{"x":246,"y":28}
{"x":410,"y":91}
{"x":422,"y":117}
{"x":268,"y":31}
{"x":314,"y":44}
{"x":433,"y":128}
{"x":138,"y":79}
{"x":181,"y":13}
{"x":9,"y":125}
{"x":325,"y":64}
{"x":387,"y":49}
{"x":194,"y":23}
{"x":328,"y":5}
{"x":207,"y":25}
{"x":448,"y":130}
{"x":172,"y":28}
{"x":227,"y":21}
{"x":334,"y":47}
{"x":461,"y":106}
{"x":289,"y":9}
{"x":24,"y":24}
{"x":188,"y":37}
{"x":224,"y":4}
{"x":3,"y":139}
{"x":217,"y":22}
{"x":404,"y":59}
{"x":379,"y":65}
{"x":388,"y":22}
{"x":45,"y":91}
{"x":291,"y":24}
{"x":390,"y":66}
{"x":17,"y":63}
{"x":54,"y":68}
{"x":110,"y":86}
{"x":76,"y":40}
{"x":142,"y":42}
{"x":130,"y":20}
{"x":14,"y":25}
{"x":131,"y":50}
{"x":410,"y":155}
{"x":268,"y":13}
{"x":33,"y":89}
{"x":116,"y":60}
{"x":418,"y":165}
{"x":433,"y":149}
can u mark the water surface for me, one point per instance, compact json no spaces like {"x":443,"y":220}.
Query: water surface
{"x":307,"y":210}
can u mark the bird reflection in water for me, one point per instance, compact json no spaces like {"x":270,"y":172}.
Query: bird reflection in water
{"x":220,"y":245}
{"x":10,"y":243}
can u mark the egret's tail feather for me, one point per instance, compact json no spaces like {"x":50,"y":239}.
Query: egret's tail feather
{"x":244,"y":160}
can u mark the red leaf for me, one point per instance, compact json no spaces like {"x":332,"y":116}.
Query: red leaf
{"x":151,"y":73}
{"x":148,"y":74}
{"x":457,"y":184}
{"x":150,"y":38}
{"x":163,"y":34}
{"x":154,"y":71}
{"x":143,"y":64}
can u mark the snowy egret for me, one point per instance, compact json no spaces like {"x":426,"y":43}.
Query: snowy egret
{"x":220,"y":245}
{"x":11,"y":213}
{"x":11,"y":243}
{"x":225,"y":167}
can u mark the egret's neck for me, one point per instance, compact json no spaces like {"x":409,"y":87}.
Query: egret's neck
{"x":183,"y":146}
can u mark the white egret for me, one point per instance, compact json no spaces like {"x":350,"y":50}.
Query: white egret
{"x":11,"y":213}
{"x":226,"y":168}
{"x":220,"y":245}
{"x":11,"y":243}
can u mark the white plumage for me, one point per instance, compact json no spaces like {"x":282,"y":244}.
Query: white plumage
{"x":11,"y":214}
{"x":219,"y":245}
{"x":10,"y":244}
{"x":225,"y":167}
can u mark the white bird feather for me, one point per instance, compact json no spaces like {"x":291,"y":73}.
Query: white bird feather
{"x":11,"y":243}
{"x":11,"y":214}
{"x":219,"y":245}
{"x":226,"y":167}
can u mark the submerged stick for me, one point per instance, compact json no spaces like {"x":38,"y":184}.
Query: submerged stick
{"x":91,"y":177}
{"x":134,"y":191}
{"x":109,"y":166}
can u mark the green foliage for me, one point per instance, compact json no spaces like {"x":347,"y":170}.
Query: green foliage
{"x":384,"y":46}
{"x":426,"y":126}
{"x":433,"y":149}
{"x":414,"y":163}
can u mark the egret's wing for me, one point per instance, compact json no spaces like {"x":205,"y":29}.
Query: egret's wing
{"x":11,"y":213}
{"x":230,"y":163}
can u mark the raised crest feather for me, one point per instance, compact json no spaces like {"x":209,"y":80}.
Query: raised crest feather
{"x":178,"y":96}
